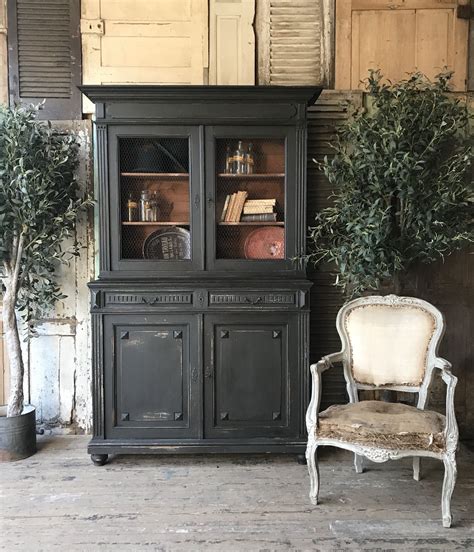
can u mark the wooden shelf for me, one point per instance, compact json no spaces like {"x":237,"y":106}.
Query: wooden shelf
{"x":255,"y":176}
{"x":155,"y":175}
{"x":256,"y":223}
{"x":140,"y":223}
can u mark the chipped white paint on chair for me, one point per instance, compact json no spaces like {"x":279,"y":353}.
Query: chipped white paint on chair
{"x":388,"y":342}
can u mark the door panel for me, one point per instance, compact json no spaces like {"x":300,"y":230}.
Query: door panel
{"x":399,"y":37}
{"x":152,"y":363}
{"x":251,"y":389}
{"x":159,"y":42}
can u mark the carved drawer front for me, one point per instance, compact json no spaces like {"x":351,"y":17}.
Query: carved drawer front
{"x":283,"y":299}
{"x":159,"y":299}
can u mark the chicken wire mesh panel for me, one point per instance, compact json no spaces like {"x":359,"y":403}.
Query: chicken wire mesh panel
{"x":155,"y":197}
{"x":250,"y":198}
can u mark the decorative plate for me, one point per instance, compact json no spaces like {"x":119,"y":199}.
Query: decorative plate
{"x":267,"y":242}
{"x":171,"y":243}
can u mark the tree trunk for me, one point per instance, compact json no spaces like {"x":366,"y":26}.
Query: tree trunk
{"x":15,"y":357}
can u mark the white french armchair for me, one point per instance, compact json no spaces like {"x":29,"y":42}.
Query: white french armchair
{"x":388,"y":343}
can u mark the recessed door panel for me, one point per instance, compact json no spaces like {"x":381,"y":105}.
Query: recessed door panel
{"x":251,"y":388}
{"x":153,"y":367}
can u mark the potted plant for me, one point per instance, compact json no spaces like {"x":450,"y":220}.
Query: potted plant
{"x":402,"y":192}
{"x":39,"y":203}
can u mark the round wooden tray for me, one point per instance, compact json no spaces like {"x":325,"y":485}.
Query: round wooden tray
{"x":267,"y":242}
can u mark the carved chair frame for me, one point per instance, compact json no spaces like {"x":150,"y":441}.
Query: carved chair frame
{"x":374,"y":453}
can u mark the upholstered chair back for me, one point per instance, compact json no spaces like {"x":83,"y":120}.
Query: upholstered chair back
{"x":388,"y":340}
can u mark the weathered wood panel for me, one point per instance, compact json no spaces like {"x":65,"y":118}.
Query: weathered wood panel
{"x":144,"y":42}
{"x":293,"y":41}
{"x":232,"y":42}
{"x":399,"y":37}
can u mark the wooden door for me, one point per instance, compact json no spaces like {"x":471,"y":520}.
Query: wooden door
{"x":400,"y":36}
{"x":232,"y":42}
{"x":152,"y":374}
{"x":251,"y":375}
{"x":144,"y":42}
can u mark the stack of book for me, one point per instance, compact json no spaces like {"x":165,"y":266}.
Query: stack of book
{"x":233,"y":207}
{"x":259,"y":210}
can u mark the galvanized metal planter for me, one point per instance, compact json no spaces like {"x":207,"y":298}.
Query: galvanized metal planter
{"x":17,"y":434}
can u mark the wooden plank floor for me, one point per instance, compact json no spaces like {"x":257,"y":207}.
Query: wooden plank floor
{"x":57,"y":500}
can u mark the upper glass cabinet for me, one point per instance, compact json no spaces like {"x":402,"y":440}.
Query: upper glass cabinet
{"x":250,"y":198}
{"x":251,"y":171}
{"x":156,"y":181}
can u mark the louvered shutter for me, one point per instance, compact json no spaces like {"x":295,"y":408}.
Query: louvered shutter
{"x":44,"y":55}
{"x":290,"y":42}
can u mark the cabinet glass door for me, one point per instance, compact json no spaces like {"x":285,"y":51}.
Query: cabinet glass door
{"x":157,"y":187}
{"x":253,"y":212}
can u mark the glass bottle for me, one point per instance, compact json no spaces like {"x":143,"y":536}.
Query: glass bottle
{"x":229,"y":161}
{"x":132,"y":209}
{"x":145,"y":206}
{"x":249,"y":160}
{"x":155,"y":210}
{"x":239,"y":159}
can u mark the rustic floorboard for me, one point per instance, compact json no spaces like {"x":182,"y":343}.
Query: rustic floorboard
{"x":57,"y":500}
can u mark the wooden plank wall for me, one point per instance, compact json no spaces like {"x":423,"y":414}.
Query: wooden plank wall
{"x":447,"y":285}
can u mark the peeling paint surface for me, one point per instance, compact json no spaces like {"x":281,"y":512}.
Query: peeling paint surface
{"x":58,"y":361}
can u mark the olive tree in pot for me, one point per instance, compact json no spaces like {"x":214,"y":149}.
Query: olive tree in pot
{"x":40,"y":200}
{"x":402,"y":189}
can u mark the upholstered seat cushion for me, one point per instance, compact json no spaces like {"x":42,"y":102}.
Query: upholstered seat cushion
{"x":383,"y":425}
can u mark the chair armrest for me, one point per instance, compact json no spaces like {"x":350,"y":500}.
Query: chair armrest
{"x":451,"y":432}
{"x":316,"y":370}
{"x":326,"y":362}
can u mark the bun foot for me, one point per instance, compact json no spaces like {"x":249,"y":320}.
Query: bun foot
{"x":301,"y":459}
{"x":99,"y":459}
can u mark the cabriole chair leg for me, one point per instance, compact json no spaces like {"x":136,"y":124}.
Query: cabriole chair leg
{"x":313,"y":470}
{"x":448,"y":487}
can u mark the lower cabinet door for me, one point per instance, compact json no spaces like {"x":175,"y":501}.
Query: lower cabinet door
{"x":152,"y":376}
{"x":251,"y":374}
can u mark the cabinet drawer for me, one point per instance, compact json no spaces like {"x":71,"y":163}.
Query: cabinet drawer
{"x":161,"y":298}
{"x":274,"y":299}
